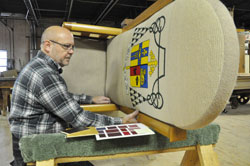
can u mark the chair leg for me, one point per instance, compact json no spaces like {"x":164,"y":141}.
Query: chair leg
{"x":204,"y":155}
{"x":190,"y":158}
{"x":207,"y":155}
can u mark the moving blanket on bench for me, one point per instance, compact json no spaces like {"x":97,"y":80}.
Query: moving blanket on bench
{"x":40,"y":147}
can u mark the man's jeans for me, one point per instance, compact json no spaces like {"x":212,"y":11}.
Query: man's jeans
{"x":18,"y":160}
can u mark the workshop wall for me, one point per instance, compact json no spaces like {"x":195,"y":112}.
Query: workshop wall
{"x":86,"y":72}
{"x":4,"y":38}
{"x":15,"y":39}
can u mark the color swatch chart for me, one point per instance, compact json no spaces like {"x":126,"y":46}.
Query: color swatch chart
{"x":122,"y":131}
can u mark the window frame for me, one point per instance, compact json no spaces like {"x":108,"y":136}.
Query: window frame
{"x":3,"y":57}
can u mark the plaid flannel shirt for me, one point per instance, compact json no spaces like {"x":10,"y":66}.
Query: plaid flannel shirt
{"x":41,"y":102}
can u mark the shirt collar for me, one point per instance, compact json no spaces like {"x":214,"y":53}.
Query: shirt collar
{"x":53,"y":64}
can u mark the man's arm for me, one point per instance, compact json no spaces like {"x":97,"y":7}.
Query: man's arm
{"x":86,"y":99}
{"x":56,"y":99}
{"x":82,"y":98}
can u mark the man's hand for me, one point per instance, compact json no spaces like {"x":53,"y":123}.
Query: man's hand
{"x":101,"y":100}
{"x":130,"y":118}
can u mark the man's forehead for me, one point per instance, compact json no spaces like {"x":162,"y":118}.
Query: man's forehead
{"x":65,"y":36}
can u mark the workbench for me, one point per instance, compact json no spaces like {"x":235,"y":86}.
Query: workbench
{"x":6,"y":84}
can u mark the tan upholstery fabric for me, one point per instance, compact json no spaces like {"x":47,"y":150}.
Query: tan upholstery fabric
{"x":115,"y":85}
{"x":184,"y":63}
{"x":86,"y":72}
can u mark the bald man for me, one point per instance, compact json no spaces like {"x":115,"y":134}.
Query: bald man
{"x":41,"y":102}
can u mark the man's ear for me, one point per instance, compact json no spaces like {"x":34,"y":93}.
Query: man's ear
{"x":47,"y":46}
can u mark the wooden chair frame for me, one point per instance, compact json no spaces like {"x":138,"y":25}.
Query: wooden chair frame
{"x":200,"y":155}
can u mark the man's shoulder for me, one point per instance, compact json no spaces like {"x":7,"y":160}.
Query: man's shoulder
{"x":37,"y":65}
{"x":34,"y":72}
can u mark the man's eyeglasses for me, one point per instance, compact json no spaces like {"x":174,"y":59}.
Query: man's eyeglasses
{"x":64,"y":46}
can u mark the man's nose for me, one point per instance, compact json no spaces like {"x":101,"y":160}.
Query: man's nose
{"x":71,"y":50}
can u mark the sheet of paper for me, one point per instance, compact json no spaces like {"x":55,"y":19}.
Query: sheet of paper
{"x":122,"y":131}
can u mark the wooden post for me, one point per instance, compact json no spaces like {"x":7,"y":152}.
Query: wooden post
{"x":5,"y":86}
{"x":190,"y":158}
{"x":207,"y":155}
{"x":203,"y":155}
{"x":242,"y":52}
{"x":5,"y":94}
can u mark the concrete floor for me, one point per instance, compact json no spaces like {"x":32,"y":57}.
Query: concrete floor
{"x":233,"y":147}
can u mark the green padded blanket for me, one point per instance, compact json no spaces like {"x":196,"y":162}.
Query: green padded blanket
{"x":40,"y":147}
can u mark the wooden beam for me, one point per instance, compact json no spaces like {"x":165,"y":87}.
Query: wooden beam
{"x":92,"y":28}
{"x":172,"y":132}
{"x":50,"y":162}
{"x":147,"y":13}
{"x":7,"y":84}
{"x":190,"y":157}
{"x":100,"y":107}
{"x":121,"y":155}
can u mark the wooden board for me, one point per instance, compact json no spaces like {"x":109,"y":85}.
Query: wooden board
{"x":179,"y":66}
{"x":241,"y":37}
